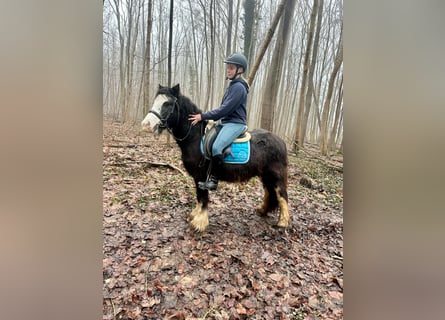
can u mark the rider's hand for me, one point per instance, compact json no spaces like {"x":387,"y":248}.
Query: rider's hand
{"x":195,"y":118}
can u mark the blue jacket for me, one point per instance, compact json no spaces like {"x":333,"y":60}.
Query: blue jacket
{"x":233,"y":105}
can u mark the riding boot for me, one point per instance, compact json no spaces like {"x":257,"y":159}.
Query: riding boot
{"x":211,"y":182}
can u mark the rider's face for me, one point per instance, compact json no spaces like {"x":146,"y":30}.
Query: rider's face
{"x":231,"y":70}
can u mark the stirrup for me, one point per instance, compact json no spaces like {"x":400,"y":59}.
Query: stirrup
{"x":210,"y":184}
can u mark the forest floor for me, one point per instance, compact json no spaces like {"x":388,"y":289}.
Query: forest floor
{"x":156,"y":267}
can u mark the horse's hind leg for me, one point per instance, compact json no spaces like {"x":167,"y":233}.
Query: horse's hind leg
{"x":275,"y":195}
{"x":199,"y":217}
{"x":281,"y":193}
{"x":264,"y":207}
{"x":269,"y":200}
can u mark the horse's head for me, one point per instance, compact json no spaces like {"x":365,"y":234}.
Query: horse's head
{"x":162,"y":112}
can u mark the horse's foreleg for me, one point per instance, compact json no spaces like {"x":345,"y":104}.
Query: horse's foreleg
{"x":284,"y":219}
{"x":199,"y":217}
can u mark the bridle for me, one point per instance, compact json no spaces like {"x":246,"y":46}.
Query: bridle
{"x":164,"y":121}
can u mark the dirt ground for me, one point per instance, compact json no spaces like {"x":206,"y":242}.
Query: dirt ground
{"x":156,"y":267}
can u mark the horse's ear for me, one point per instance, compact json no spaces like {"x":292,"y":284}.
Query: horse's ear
{"x":176,"y":90}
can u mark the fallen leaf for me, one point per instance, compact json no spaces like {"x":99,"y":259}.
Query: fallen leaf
{"x":187,"y":281}
{"x":179,"y":315}
{"x":313,"y":301}
{"x":150,"y":302}
{"x":268,"y":258}
{"x":256,"y":285}
{"x":240,"y":309}
{"x":276,"y":277}
{"x":336,"y":295}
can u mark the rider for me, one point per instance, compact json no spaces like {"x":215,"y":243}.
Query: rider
{"x":231,"y":112}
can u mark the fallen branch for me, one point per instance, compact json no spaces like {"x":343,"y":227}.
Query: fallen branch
{"x":114,"y":310}
{"x":162,"y":164}
{"x":127,"y":145}
{"x":148,"y":165}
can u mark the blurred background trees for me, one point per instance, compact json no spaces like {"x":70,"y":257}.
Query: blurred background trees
{"x":296,"y":90}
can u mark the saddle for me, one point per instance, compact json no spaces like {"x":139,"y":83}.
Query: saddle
{"x":238,"y":152}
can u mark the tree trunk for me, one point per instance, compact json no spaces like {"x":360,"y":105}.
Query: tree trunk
{"x":121,"y":93}
{"x":308,"y":100}
{"x":332,"y":136}
{"x":266,"y":42}
{"x":141,"y":92}
{"x":301,"y":105}
{"x":211,"y":75}
{"x":194,"y":64}
{"x":236,"y":24}
{"x":147,"y":58}
{"x":208,"y":55}
{"x":229,"y":28}
{"x":270,"y":94}
{"x":135,"y":16}
{"x":229,"y":34}
{"x":249,"y":23}
{"x":327,"y":104}
{"x":128,"y":60}
{"x":161,"y":45}
{"x":170,"y":41}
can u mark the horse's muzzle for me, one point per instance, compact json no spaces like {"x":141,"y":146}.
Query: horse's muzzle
{"x":151,"y":124}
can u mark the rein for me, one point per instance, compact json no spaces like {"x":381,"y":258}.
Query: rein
{"x":164,"y":122}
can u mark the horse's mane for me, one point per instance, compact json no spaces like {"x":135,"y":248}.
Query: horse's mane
{"x":184,"y":101}
{"x":188,"y":104}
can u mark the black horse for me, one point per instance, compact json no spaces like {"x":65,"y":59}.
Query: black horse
{"x":268,"y":158}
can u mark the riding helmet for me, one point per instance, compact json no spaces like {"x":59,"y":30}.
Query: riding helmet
{"x":237,"y":59}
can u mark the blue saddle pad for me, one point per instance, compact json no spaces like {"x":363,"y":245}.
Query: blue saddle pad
{"x":240,"y":153}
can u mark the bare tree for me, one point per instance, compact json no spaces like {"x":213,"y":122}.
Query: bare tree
{"x":337,"y":64}
{"x":209,"y":99}
{"x":338,"y":111}
{"x":270,"y":92}
{"x":304,"y":84}
{"x":170,"y":41}
{"x":121,"y":94}
{"x":194,"y":63}
{"x":250,"y":12}
{"x":229,"y":28}
{"x":296,"y":75}
{"x":209,"y":49}
{"x":266,"y":42}
{"x":147,"y":57}
{"x":130,"y":46}
{"x":310,"y":88}
{"x":235,"y":47}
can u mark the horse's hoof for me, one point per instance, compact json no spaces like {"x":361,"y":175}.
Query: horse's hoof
{"x":283,"y":224}
{"x":200,"y":221}
{"x":199,"y":226}
{"x":196,"y":211}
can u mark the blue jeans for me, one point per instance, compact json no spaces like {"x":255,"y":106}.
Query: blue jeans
{"x":228,"y":133}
